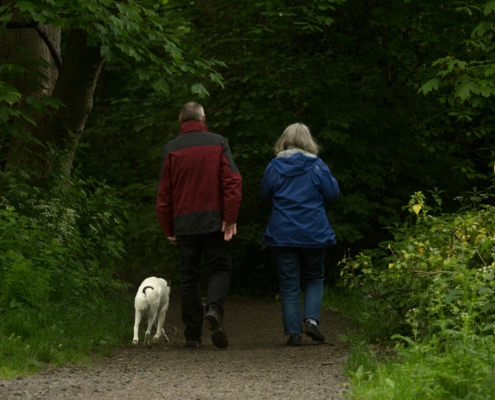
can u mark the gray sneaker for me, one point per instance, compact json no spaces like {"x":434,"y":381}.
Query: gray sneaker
{"x":213,"y":321}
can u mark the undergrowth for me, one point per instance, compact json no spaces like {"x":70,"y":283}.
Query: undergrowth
{"x":422,"y":308}
{"x":62,"y":334}
{"x":59,"y":299}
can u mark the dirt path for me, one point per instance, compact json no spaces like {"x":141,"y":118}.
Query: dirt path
{"x":256,"y":365}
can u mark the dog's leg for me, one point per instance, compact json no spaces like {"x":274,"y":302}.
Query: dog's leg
{"x":159,"y":326}
{"x":151,"y":321}
{"x":139,"y":315}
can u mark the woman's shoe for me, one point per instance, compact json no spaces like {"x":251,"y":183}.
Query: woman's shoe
{"x":294,"y":340}
{"x":313,"y":332}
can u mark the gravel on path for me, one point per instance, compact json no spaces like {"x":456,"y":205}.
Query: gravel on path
{"x":256,"y":365}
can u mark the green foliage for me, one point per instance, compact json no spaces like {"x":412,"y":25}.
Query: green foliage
{"x":139,"y":34}
{"x":361,"y":364}
{"x":450,"y":366}
{"x":451,"y":363}
{"x":63,"y":333}
{"x":350,"y":72}
{"x":130,"y":29}
{"x":464,"y":85}
{"x":65,"y":240}
{"x":59,"y":298}
{"x":132,"y":166}
{"x":440,"y":272}
{"x":21,"y":283}
{"x":369,"y":321}
{"x":432,"y":286}
{"x":17,"y":109}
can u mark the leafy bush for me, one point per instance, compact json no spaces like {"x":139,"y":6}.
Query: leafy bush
{"x":435,"y":284}
{"x":439,"y":271}
{"x":58,"y":244}
{"x":21,"y":283}
{"x":58,"y":250}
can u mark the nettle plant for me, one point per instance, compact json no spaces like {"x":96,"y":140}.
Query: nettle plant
{"x":437,"y":273}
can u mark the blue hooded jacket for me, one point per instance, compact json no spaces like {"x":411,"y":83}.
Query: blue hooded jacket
{"x":298,"y":184}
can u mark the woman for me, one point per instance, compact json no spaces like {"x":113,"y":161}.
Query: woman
{"x":298,"y":183}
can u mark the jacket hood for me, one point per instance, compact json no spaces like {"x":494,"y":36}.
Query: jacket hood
{"x":294,"y":162}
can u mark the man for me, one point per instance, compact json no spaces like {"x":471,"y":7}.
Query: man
{"x":198,"y":201}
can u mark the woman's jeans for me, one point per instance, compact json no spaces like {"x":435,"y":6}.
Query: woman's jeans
{"x":294,"y":263}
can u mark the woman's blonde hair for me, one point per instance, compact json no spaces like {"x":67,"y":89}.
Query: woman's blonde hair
{"x":297,"y":135}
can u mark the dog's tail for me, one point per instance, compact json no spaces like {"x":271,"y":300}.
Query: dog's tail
{"x":151,"y":294}
{"x":147,"y":287}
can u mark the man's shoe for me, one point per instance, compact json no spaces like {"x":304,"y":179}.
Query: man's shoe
{"x":294,"y":340}
{"x":193,"y":343}
{"x":313,"y":332}
{"x":213,"y":321}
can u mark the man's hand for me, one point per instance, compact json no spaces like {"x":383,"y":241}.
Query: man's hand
{"x":172,"y":239}
{"x":229,"y":229}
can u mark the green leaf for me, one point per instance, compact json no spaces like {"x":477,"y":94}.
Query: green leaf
{"x":176,"y":53}
{"x":6,"y":113}
{"x":485,"y":245}
{"x":429,"y":86}
{"x":143,"y":74}
{"x":484,"y":290}
{"x":481,"y":29}
{"x":460,"y":64}
{"x":10,"y":97}
{"x":489,"y":7}
{"x":453,"y":295}
{"x":161,"y":86}
{"x":25,"y":6}
{"x":6,"y":17}
{"x":486,"y":91}
{"x":405,"y":338}
{"x":464,"y":91}
{"x":199,"y":89}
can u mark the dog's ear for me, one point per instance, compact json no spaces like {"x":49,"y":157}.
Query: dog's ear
{"x":169,"y":282}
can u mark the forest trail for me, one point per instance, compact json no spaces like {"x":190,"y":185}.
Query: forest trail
{"x":256,"y":365}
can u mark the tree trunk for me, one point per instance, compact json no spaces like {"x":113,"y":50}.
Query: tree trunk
{"x":75,"y":87}
{"x":58,"y":133}
{"x":21,"y":44}
{"x":32,"y":50}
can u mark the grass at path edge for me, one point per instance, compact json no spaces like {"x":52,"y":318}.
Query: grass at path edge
{"x":61,"y":334}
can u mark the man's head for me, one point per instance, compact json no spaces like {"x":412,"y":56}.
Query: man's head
{"x":192,"y":111}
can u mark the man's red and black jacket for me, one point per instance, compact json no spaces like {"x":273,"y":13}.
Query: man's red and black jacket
{"x":200,"y":185}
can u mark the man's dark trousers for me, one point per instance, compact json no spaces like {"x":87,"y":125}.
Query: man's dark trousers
{"x":218,"y":267}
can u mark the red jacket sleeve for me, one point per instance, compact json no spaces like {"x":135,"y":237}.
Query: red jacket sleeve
{"x":231,"y":186}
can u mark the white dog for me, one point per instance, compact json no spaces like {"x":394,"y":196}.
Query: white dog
{"x":152,"y":299}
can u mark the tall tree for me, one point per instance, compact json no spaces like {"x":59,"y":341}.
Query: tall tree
{"x":91,"y":31}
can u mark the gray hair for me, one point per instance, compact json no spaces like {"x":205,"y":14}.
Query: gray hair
{"x":192,"y":111}
{"x":297,"y":136}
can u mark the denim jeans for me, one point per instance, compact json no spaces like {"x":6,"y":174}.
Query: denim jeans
{"x":293,"y":264}
{"x":217,"y":262}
